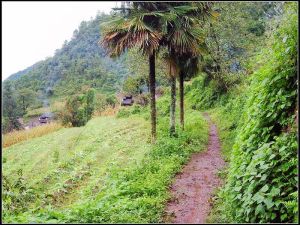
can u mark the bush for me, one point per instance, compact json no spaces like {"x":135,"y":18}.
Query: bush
{"x":79,"y":109}
{"x":111,"y":100}
{"x":123,"y":113}
{"x":129,"y":110}
{"x":16,"y":194}
{"x":263,"y":176}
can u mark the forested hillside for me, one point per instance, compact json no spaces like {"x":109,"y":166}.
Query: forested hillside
{"x":81,"y":61}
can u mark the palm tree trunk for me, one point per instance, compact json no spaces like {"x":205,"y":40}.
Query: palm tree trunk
{"x":152,"y":95}
{"x":173,"y":105}
{"x":181,"y":95}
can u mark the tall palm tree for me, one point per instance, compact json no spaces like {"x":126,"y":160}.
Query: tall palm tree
{"x":140,"y":27}
{"x":184,"y":35}
{"x":189,"y":66}
{"x":173,"y":69}
{"x":150,"y":25}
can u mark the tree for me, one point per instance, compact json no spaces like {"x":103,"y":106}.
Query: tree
{"x":79,"y":109}
{"x":234,"y":37}
{"x":139,"y":27}
{"x":25,"y":98}
{"x":173,"y":73}
{"x":189,"y":66}
{"x":138,"y":68}
{"x":151,"y":25}
{"x":184,"y":38}
{"x":132,"y":84}
{"x":90,"y":103}
{"x":10,"y":109}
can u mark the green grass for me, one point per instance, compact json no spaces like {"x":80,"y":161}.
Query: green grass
{"x":106,"y":171}
{"x":50,"y":161}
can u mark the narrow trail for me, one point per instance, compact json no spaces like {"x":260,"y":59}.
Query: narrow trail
{"x":194,"y":185}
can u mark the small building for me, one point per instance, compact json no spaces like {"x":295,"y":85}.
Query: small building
{"x":127,"y":101}
{"x":45,"y":118}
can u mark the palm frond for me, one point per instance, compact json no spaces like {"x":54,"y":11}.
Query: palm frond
{"x":172,"y":64}
{"x":121,"y":34}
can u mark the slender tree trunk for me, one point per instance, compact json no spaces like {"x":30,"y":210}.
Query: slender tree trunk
{"x":24,"y":107}
{"x":152,"y":95}
{"x":181,"y":94}
{"x":173,"y":105}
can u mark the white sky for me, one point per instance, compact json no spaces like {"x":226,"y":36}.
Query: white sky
{"x":32,"y":31}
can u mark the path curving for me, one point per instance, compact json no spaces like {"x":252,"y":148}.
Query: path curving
{"x":194,"y":185}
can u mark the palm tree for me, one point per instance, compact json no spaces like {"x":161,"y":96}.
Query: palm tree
{"x":189,"y":67}
{"x":184,"y":36}
{"x":150,"y":25}
{"x":173,"y":73}
{"x":140,"y":27}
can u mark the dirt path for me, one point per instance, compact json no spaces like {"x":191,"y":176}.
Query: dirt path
{"x":193,"y":187}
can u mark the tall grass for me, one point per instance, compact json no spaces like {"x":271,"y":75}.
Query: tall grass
{"x":109,"y":111}
{"x":22,"y":135}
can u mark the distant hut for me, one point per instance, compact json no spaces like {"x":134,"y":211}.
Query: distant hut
{"x":46,"y":117}
{"x":127,"y":101}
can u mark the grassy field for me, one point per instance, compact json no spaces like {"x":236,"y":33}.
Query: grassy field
{"x":53,"y":163}
{"x":106,"y":171}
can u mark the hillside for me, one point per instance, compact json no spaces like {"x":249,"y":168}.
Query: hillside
{"x":80,"y":61}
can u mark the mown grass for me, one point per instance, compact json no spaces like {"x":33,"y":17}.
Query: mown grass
{"x":67,"y":165}
{"x":23,"y":135}
{"x":106,"y":171}
{"x":139,"y":194}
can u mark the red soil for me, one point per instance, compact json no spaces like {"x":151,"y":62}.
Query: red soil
{"x":193,"y":187}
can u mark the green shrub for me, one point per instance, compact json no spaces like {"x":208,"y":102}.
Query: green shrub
{"x":79,"y":109}
{"x":262,"y":179}
{"x":130,"y":110}
{"x":123,"y":113}
{"x":15,"y":194}
{"x":111,"y":100}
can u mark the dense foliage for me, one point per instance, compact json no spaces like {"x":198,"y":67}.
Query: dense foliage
{"x":258,"y":128}
{"x":235,"y":36}
{"x":262,"y":183}
{"x":10,"y":109}
{"x":79,"y":109}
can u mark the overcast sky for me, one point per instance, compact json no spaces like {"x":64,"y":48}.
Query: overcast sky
{"x":32,"y":31}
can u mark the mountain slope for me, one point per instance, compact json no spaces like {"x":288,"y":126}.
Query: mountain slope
{"x":79,"y":62}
